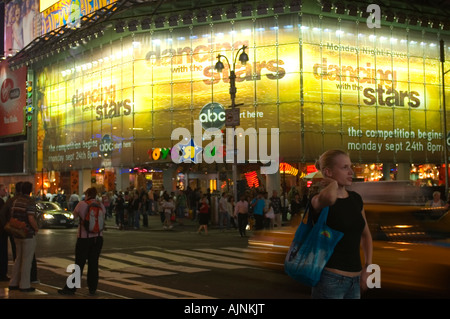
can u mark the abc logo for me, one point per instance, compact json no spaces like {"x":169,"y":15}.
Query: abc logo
{"x":212,"y":115}
{"x":106,"y":146}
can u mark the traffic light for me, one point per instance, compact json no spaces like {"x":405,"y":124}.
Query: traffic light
{"x":29,"y":109}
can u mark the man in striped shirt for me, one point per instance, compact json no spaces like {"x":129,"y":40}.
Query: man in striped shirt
{"x":24,"y":210}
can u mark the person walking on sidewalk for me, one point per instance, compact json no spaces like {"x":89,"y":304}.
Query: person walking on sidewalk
{"x":224,"y":219}
{"x":120,"y":207}
{"x":203,"y":215}
{"x":89,"y":244}
{"x":181,"y":206}
{"x":241,"y":211}
{"x":168,"y":209}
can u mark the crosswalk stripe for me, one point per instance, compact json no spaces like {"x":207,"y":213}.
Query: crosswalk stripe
{"x":236,"y":254}
{"x":126,"y":282}
{"x":146,"y":271}
{"x":214,"y":257}
{"x":109,"y":261}
{"x":124,"y":270}
{"x":111,"y":264}
{"x":57,"y":262}
{"x":240,"y":250}
{"x":151,"y":262}
{"x":157,"y":291}
{"x":171,"y":256}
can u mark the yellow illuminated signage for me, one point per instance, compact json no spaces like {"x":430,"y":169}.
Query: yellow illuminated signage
{"x":374,"y":102}
{"x":103,"y":101}
{"x":45,"y":4}
{"x":351,"y":77}
{"x":56,"y":14}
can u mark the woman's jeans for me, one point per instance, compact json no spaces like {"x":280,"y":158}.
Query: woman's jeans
{"x":335,"y":286}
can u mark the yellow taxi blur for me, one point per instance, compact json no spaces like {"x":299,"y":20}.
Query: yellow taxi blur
{"x":411,"y":246}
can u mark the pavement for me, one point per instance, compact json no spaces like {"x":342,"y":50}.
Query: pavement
{"x":44,"y":291}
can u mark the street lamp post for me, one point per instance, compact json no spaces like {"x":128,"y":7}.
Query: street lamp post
{"x":243,"y":58}
{"x":442,"y":56}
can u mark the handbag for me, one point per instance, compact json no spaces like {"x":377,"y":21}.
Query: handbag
{"x":16,"y":228}
{"x":270,"y":214}
{"x":311,"y":248}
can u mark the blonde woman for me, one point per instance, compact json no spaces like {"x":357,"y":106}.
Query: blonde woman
{"x":343,"y":276}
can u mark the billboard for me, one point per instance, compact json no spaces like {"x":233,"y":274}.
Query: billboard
{"x":12,"y":100}
{"x":324,"y":84}
{"x":22,"y":24}
{"x":69,"y":12}
{"x":377,"y":91}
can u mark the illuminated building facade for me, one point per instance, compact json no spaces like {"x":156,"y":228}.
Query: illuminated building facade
{"x":107,"y":97}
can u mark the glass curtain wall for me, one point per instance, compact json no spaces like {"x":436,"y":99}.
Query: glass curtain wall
{"x":324,"y":82}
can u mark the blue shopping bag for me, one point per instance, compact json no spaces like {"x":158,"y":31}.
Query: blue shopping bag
{"x":311,"y":248}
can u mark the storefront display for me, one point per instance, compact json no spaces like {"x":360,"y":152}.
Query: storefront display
{"x":365,"y":92}
{"x":107,"y":104}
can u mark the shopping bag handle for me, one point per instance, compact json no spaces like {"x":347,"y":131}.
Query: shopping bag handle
{"x":323,"y":215}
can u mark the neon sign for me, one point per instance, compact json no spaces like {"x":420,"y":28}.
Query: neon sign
{"x":286,"y":168}
{"x":158,"y":153}
{"x":252,"y":179}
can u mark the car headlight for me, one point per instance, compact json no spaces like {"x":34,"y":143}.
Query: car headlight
{"x":68,"y":215}
{"x":48,"y":216}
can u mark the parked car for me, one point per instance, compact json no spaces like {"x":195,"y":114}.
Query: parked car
{"x":51,"y":214}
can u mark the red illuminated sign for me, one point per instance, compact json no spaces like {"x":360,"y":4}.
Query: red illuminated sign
{"x":12,"y":100}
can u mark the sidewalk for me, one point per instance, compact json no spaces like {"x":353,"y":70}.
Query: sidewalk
{"x":155,"y":224}
{"x":49,"y":292}
{"x":45,"y":291}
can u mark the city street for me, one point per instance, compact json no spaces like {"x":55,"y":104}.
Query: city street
{"x":164,"y":264}
{"x":332,"y":110}
{"x":153,"y":263}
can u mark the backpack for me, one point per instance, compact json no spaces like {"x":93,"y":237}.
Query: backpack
{"x":94,"y":221}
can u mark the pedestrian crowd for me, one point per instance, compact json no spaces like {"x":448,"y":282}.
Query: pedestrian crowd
{"x":130,"y":210}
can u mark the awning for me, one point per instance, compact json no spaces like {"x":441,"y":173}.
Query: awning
{"x":314,"y":175}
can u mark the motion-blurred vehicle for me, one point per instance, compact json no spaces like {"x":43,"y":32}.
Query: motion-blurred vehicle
{"x":50,"y":214}
{"x":411,"y":244}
